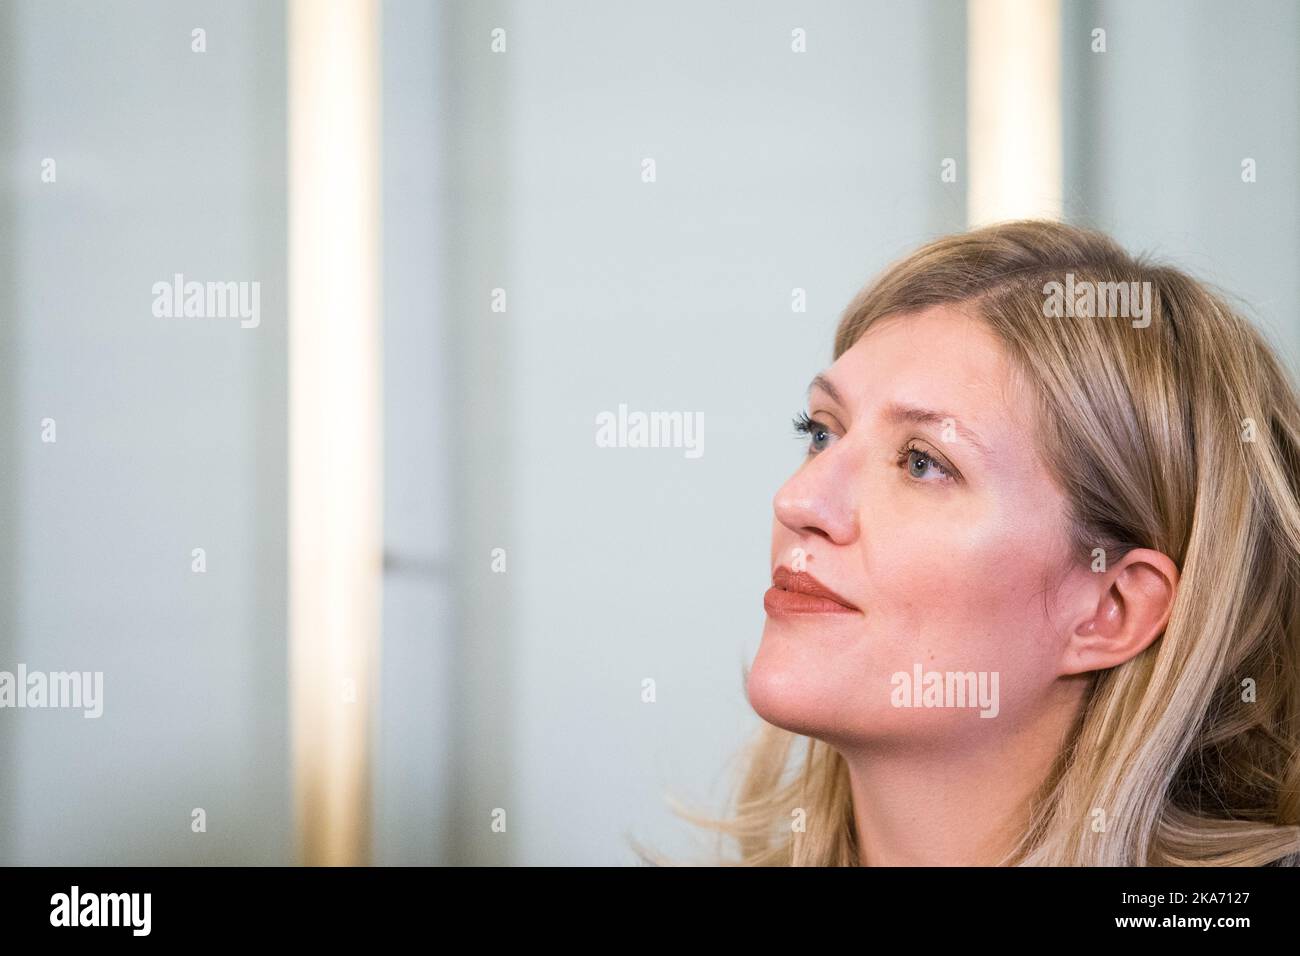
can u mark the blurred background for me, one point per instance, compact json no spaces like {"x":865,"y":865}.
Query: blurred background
{"x":360,"y":581}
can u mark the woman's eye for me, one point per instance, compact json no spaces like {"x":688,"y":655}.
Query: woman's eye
{"x":922,"y":467}
{"x":819,"y":436}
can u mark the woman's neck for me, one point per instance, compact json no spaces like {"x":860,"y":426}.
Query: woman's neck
{"x":965,"y":801}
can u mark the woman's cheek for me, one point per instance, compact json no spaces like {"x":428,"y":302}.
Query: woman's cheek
{"x":932,"y":603}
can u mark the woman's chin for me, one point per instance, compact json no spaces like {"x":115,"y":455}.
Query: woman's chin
{"x":781,"y":696}
{"x":785,"y":691}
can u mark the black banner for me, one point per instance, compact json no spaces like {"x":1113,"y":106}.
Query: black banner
{"x":239,"y":904}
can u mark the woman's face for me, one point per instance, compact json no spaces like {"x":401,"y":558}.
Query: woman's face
{"x":923,"y":505}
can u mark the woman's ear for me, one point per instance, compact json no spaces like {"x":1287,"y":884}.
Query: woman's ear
{"x":1132,"y":601}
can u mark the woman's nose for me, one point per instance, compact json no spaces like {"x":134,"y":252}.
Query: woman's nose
{"x":819,"y":500}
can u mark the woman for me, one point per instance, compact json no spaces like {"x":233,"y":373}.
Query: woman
{"x":1036,"y":583}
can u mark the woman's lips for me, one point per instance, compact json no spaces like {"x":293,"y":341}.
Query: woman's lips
{"x":798,"y":592}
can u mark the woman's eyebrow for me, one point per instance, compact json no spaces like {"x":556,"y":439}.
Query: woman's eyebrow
{"x":898,"y":412}
{"x":827,"y":386}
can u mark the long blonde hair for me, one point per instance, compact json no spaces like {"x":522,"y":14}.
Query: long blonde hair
{"x":1182,"y":436}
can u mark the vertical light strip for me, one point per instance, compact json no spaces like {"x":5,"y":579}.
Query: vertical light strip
{"x":1013,"y":116}
{"x":335,"y":514}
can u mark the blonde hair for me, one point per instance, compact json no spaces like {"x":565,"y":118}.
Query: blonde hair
{"x":1182,"y":436}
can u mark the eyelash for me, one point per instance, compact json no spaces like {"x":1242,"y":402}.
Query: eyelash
{"x":905,"y":452}
{"x":805,"y":425}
